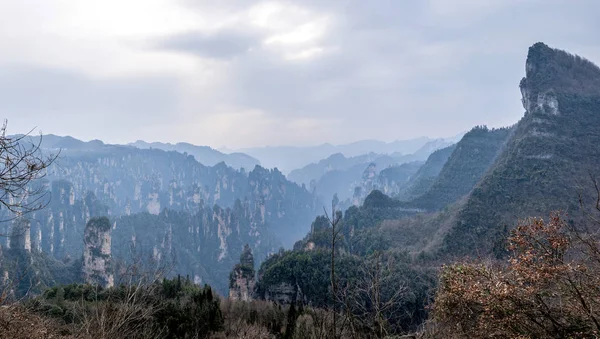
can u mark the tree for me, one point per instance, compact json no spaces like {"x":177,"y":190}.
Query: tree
{"x":371,"y":301}
{"x":550,"y":287}
{"x":334,"y":220}
{"x":21,"y":162}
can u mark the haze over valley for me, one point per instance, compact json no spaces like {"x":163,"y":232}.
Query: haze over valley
{"x":299,"y":170}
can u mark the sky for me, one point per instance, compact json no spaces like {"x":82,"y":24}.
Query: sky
{"x":240,"y":73}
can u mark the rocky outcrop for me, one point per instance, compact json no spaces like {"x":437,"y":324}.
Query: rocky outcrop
{"x":97,"y":268}
{"x":284,"y":293}
{"x":547,"y":161}
{"x":20,"y":236}
{"x":391,"y":180}
{"x":242,"y":281}
{"x":169,"y":206}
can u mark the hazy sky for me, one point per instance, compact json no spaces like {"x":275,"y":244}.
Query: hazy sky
{"x":241,"y":73}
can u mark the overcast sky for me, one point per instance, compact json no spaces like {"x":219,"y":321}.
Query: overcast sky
{"x":242,"y":73}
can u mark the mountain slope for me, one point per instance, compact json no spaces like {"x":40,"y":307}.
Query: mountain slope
{"x":426,"y":175}
{"x":548,"y":160}
{"x":472,"y":157}
{"x":342,"y":175}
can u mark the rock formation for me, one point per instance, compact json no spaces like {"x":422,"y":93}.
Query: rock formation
{"x":242,"y":279}
{"x":97,"y":268}
{"x":20,"y":236}
{"x":284,"y":293}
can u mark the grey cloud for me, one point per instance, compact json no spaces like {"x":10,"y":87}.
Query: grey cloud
{"x":402,"y":71}
{"x":60,"y":101}
{"x":220,"y":45}
{"x":390,"y":69}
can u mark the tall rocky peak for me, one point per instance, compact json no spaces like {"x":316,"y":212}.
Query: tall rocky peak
{"x":20,"y":236}
{"x":242,"y":281}
{"x":246,"y":258}
{"x":97,"y":268}
{"x":550,"y":72}
{"x":547,"y":161}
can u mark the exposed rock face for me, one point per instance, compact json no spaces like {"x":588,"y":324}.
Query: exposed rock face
{"x":242,"y":281}
{"x":546,"y":163}
{"x":169,"y":206}
{"x":391,"y":180}
{"x":97,"y":268}
{"x":20,"y":237}
{"x":422,"y":180}
{"x":283,"y":293}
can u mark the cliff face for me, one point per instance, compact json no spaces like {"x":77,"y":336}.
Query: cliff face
{"x":97,"y":261}
{"x":205,"y":244}
{"x":169,"y":206}
{"x":58,"y":229}
{"x":242,"y":280}
{"x":422,"y":180}
{"x":20,"y":236}
{"x":390,"y":180}
{"x":547,"y":162}
{"x":129,"y":180}
{"x":284,"y":293}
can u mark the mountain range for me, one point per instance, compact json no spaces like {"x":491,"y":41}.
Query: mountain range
{"x":289,"y":158}
{"x":205,"y":155}
{"x":408,"y":208}
{"x":465,"y":199}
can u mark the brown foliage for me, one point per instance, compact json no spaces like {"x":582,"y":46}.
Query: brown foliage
{"x":549,"y":288}
{"x":16,"y":322}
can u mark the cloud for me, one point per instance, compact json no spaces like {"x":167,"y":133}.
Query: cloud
{"x":63,"y":102}
{"x":238,"y":73}
{"x":220,"y":45}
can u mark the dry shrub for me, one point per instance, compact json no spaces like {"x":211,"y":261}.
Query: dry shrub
{"x":240,"y":329}
{"x":259,"y":317}
{"x":17,"y":322}
{"x":549,"y":288}
{"x":117,"y":320}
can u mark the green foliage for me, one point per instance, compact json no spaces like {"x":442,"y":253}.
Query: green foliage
{"x":177,"y":308}
{"x":472,"y":157}
{"x":426,"y":175}
{"x":309,"y":271}
{"x":29,"y":273}
{"x":194,"y":311}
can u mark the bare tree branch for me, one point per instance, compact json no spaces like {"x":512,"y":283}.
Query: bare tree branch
{"x":22,"y":162}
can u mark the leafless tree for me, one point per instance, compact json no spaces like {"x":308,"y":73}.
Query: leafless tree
{"x":334,"y":220}
{"x":130,"y":315}
{"x":21,"y":162}
{"x":369,"y":302}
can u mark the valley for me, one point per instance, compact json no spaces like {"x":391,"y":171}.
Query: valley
{"x":378,"y":234}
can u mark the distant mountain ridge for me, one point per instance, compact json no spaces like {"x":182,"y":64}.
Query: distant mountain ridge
{"x":341,"y":175}
{"x":166,"y":204}
{"x":474,"y":193}
{"x":288,"y":158}
{"x":204,"y":154}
